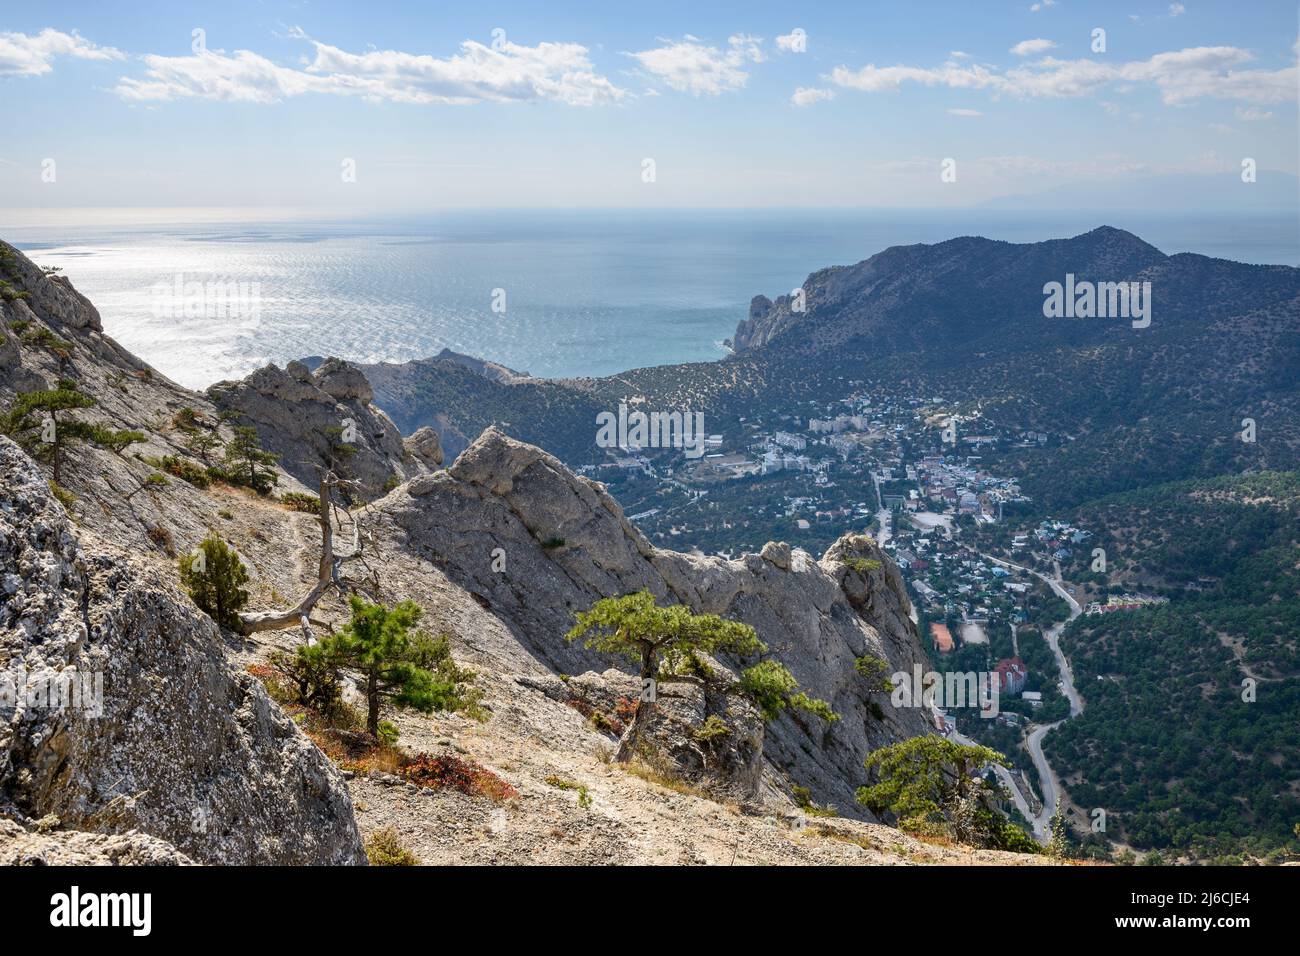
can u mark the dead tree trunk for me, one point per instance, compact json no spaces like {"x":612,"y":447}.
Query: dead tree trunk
{"x":328,"y":573}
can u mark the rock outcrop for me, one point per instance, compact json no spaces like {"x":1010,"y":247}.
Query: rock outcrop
{"x":154,"y":732}
{"x":425,"y":447}
{"x":535,"y":543}
{"x":312,"y":419}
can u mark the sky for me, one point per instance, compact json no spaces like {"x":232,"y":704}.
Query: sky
{"x":403,"y":107}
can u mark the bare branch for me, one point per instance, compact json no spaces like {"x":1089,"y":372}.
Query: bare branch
{"x":328,"y":570}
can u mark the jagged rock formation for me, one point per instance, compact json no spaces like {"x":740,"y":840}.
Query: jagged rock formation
{"x":186,"y":749}
{"x":424,"y":446}
{"x":562,"y":542}
{"x":304,"y":417}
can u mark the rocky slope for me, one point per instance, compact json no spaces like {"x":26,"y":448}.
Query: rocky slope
{"x":178,"y":745}
{"x":95,"y":587}
{"x":560,"y":542}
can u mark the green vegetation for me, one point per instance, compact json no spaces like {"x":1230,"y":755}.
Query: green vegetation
{"x":876,"y":671}
{"x":247,"y":464}
{"x":38,"y":421}
{"x":803,"y":799}
{"x":405,"y":669}
{"x":215,"y":578}
{"x":384,"y":848}
{"x":669,"y":643}
{"x":861,"y":565}
{"x":927,"y":783}
{"x":560,"y":783}
{"x":1183,"y":751}
{"x":187,"y":471}
{"x":298,"y":501}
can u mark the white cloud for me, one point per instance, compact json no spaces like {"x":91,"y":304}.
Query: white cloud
{"x":1181,"y":76}
{"x":793,"y":42}
{"x":558,"y":72}
{"x":1042,"y":6}
{"x":24,"y":55}
{"x":1032,"y":47}
{"x":965,"y":112}
{"x":1253,"y":114}
{"x":1177,"y":9}
{"x":808,"y":95}
{"x":689,"y":66}
{"x":876,"y":79}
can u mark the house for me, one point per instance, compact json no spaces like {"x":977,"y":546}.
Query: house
{"x":1012,"y":675}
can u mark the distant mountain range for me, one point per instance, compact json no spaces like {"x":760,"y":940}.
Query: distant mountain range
{"x":963,"y":320}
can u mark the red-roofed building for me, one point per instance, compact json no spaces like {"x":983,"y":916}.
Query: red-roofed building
{"x":1012,"y":674}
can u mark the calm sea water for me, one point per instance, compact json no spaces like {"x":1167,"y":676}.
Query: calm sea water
{"x":585,"y":293}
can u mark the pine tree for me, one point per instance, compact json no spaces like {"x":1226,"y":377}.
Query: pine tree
{"x":38,"y":421}
{"x":378,"y":643}
{"x":668,"y":643}
{"x":215,"y":578}
{"x":250,"y":465}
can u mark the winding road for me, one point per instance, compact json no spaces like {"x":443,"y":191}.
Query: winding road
{"x":1047,"y":779}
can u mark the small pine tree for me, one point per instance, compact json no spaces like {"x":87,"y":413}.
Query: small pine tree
{"x":38,"y":422}
{"x":201,"y":444}
{"x":378,"y":643}
{"x":215,"y":578}
{"x":668,"y":642}
{"x":249,"y":464}
{"x":926,"y":783}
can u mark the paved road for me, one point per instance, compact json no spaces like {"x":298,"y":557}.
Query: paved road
{"x":1047,"y":779}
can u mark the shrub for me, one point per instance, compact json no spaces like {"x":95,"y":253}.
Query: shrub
{"x":311,"y":678}
{"x":64,"y":496}
{"x":298,"y":501}
{"x":384,"y":848}
{"x":803,"y":799}
{"x":713,"y":728}
{"x":448,"y":770}
{"x":163,"y":539}
{"x":861,"y":565}
{"x":186,"y":419}
{"x":560,"y":783}
{"x":216,"y":583}
{"x":874,"y":669}
{"x":187,"y":471}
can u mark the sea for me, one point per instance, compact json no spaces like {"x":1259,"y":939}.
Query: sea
{"x":551,"y":293}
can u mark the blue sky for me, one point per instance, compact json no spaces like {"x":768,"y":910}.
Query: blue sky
{"x":737,"y":104}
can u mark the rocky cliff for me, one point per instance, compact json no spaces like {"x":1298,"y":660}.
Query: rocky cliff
{"x":534,"y":543}
{"x":320,"y":419}
{"x":154,"y":732}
